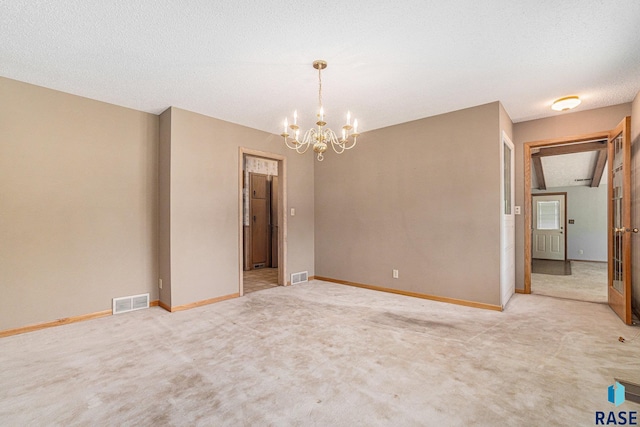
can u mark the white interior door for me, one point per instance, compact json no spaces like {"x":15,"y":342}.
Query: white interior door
{"x":507,"y":228}
{"x":548,"y":234}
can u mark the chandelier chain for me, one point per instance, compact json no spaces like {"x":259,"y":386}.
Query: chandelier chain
{"x":320,"y":86}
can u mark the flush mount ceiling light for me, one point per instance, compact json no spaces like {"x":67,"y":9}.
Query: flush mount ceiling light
{"x":319,"y":137}
{"x":566,"y":103}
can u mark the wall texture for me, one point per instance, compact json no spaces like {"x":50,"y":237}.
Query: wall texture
{"x":635,"y":195}
{"x":78,"y":204}
{"x":562,"y":125}
{"x":506,"y":124}
{"x":83,"y":185}
{"x":164,"y":203}
{"x":588,"y":207}
{"x":203,"y":204}
{"x":421,"y":197}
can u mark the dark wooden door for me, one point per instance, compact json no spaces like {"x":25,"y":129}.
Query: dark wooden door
{"x":259,"y":218}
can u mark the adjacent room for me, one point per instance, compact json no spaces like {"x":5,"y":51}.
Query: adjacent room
{"x":261,"y":213}
{"x":569,"y":221}
{"x":218,"y":213}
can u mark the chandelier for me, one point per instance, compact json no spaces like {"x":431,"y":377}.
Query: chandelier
{"x":319,"y":138}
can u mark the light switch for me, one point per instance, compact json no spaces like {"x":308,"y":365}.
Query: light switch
{"x":516,"y":210}
{"x":293,"y":211}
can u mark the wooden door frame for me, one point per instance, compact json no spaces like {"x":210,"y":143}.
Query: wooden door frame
{"x":282,"y":217}
{"x":528,"y":147}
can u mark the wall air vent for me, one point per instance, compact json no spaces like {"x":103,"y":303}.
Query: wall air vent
{"x":134,"y":302}
{"x":301,"y":277}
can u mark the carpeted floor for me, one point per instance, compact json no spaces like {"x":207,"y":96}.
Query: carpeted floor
{"x":588,"y":282}
{"x":323,"y":354}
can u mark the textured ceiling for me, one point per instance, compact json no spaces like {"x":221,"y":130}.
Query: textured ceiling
{"x":249,"y":62}
{"x":568,"y":170}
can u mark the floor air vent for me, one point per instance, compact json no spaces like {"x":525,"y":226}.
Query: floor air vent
{"x":299,"y":277}
{"x":135,"y":302}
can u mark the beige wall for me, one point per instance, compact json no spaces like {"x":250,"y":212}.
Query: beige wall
{"x":98,"y":201}
{"x":83,"y":185}
{"x":78,"y":204}
{"x":559,"y":126}
{"x":203,"y":204}
{"x":635,"y":193}
{"x":164,"y":202}
{"x":506,"y":124}
{"x":422,"y":197}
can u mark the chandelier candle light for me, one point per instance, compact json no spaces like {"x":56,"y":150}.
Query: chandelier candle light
{"x":319,"y":137}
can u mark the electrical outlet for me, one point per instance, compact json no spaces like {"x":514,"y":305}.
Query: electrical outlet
{"x":160,"y":283}
{"x":581,"y":252}
{"x":395,"y":273}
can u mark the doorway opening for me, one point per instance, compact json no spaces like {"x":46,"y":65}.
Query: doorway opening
{"x":566,"y":217}
{"x":262,"y":233}
{"x":617,"y":155}
{"x":569,"y":243}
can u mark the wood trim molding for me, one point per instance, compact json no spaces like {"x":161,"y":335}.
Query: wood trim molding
{"x":240,"y":224}
{"x":537,"y":165}
{"x":59,"y":322}
{"x":520,"y":291}
{"x":310,"y":278}
{"x":587,"y":137}
{"x":165,"y":306}
{"x":598,"y":170}
{"x":415,"y":294}
{"x":201,"y":303}
{"x":527,"y":219}
{"x":571,"y":148}
{"x":63,"y":321}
